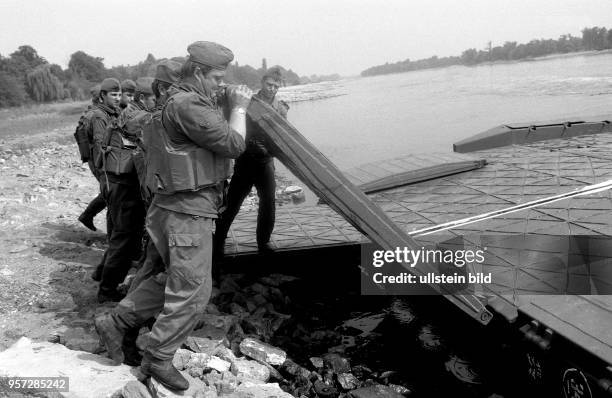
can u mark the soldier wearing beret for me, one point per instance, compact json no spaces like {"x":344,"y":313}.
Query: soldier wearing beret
{"x":119,"y":185}
{"x":97,"y":204}
{"x":180,"y":217}
{"x":254,"y":167}
{"x":128,"y":88}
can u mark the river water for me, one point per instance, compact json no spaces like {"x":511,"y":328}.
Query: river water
{"x":381,"y":117}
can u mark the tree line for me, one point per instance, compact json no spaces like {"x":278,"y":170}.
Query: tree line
{"x":26,"y":77}
{"x":596,"y":38}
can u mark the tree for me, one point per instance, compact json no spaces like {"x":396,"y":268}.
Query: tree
{"x":27,"y":58}
{"x":12,"y":92}
{"x":86,"y":66}
{"x":42,"y":85}
{"x":264,"y":65}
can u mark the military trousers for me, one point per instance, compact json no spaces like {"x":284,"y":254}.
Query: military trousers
{"x":183,"y":244}
{"x":249,"y":173}
{"x":126,"y":216}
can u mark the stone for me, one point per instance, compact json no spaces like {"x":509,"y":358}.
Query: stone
{"x":293,"y":369}
{"x":225,"y":353}
{"x":225,"y":383}
{"x":252,"y":390}
{"x":135,"y":389}
{"x":181,"y":358}
{"x":228,"y":285}
{"x":197,"y":360}
{"x":337,"y":363}
{"x":81,"y":340}
{"x":237,"y":310}
{"x":196,"y":387}
{"x":375,"y":391}
{"x":57,"y":302}
{"x":324,"y":390}
{"x":250,"y":370}
{"x":218,"y":364}
{"x":405,"y":391}
{"x":262,"y":352}
{"x":195,"y":372}
{"x":202,"y":344}
{"x":347,"y":381}
{"x":90,"y":374}
{"x":316,"y":362}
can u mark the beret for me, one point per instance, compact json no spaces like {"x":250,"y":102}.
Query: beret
{"x":128,"y":85}
{"x":144,"y":85}
{"x":168,"y":71}
{"x":95,"y":91}
{"x":110,"y":84}
{"x":210,"y":54}
{"x":274,"y":74}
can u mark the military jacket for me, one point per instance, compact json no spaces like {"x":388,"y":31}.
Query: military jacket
{"x":191,"y":118}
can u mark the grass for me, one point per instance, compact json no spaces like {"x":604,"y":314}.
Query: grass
{"x":41,"y":118}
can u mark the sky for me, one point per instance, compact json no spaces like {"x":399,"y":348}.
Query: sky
{"x":307,"y":36}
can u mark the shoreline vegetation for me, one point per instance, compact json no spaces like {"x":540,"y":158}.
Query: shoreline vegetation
{"x":596,"y":39}
{"x":28,"y":78}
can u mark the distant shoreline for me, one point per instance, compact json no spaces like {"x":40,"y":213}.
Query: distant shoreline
{"x":504,"y":62}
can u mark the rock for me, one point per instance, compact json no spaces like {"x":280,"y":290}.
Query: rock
{"x":225,"y":353}
{"x":195,"y":372}
{"x":337,"y":363}
{"x":81,"y":340}
{"x":135,"y":389}
{"x":325,"y":390}
{"x":293,"y":369}
{"x":218,"y":364}
{"x":181,"y":358}
{"x":253,"y":390}
{"x":361,"y":372}
{"x":228,"y":285}
{"x":90,"y":375}
{"x":405,"y":391}
{"x":250,"y":370}
{"x":237,"y":310}
{"x":348,"y":381}
{"x":197,"y":360}
{"x":316,"y":362}
{"x":262,"y":352}
{"x":375,"y":391}
{"x":56,"y":302}
{"x":224,"y":383}
{"x":202,"y":344}
{"x":196,"y":387}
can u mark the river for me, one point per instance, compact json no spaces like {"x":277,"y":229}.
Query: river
{"x":381,"y":117}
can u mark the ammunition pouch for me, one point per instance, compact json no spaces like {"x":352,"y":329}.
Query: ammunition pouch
{"x":117,"y":152}
{"x":174,"y":168}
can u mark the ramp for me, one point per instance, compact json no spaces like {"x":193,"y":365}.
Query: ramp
{"x":327,"y":181}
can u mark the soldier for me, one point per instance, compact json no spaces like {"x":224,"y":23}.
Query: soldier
{"x":97,"y":204}
{"x":254,"y":167}
{"x":121,"y":191}
{"x":143,"y":99}
{"x":180,"y":217}
{"x":127,"y":95}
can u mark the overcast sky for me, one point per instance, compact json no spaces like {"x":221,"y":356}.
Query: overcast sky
{"x":308,"y":36}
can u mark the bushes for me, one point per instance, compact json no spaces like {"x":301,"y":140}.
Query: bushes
{"x":12,"y":92}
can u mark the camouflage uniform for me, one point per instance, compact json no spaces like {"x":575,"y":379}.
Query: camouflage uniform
{"x":180,"y":226}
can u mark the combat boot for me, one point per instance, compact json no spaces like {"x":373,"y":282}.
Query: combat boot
{"x":111,"y":335}
{"x":131,"y":356}
{"x":164,"y":372}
